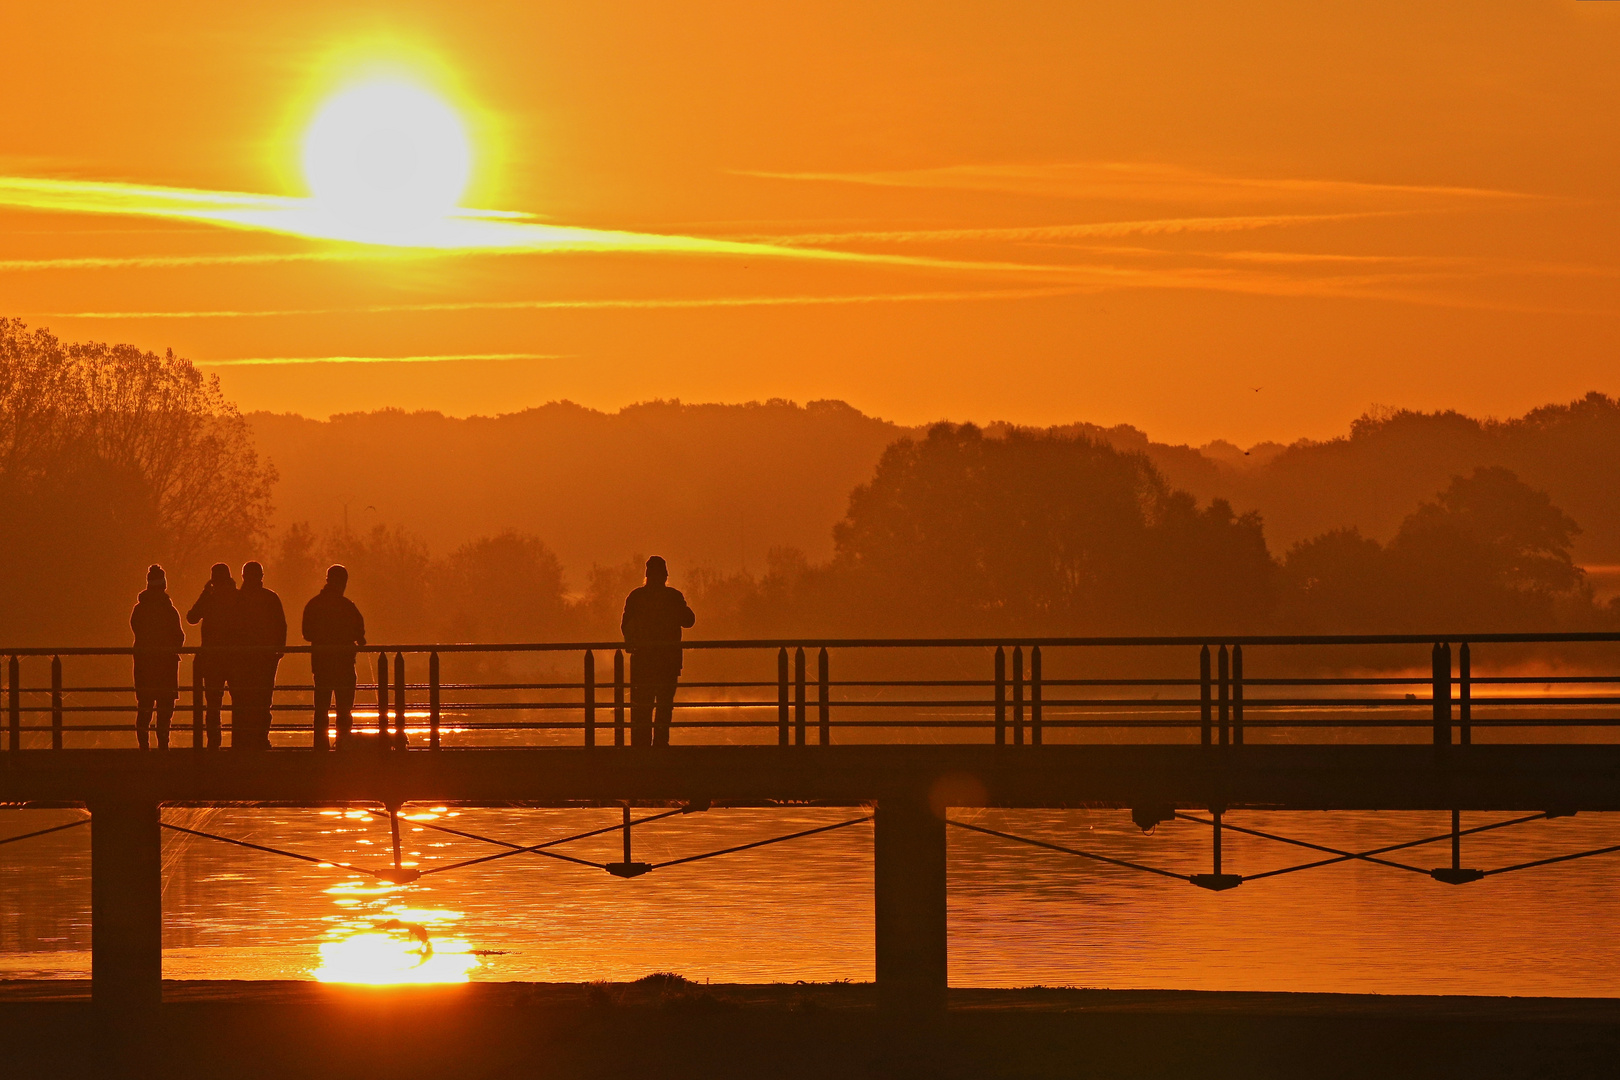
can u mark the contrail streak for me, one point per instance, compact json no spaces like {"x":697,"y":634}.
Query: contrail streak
{"x":430,"y":358}
{"x":580,"y":305}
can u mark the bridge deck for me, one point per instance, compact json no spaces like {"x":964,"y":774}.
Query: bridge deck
{"x":1420,"y":777}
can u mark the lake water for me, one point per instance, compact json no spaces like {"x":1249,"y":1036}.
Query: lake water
{"x":803,"y":910}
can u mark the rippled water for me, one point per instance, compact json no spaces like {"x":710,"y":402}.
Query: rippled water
{"x":803,"y":910}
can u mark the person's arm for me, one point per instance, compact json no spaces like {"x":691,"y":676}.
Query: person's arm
{"x":281,"y":622}
{"x":304,"y":623}
{"x":359,"y":624}
{"x":134,"y":614}
{"x":196,"y":613}
{"x":177,"y":633}
{"x":627,"y":623}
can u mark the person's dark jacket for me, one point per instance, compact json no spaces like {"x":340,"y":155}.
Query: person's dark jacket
{"x":260,"y":619}
{"x":158,"y":633}
{"x":335,"y":627}
{"x":216,"y":610}
{"x":653,"y":618}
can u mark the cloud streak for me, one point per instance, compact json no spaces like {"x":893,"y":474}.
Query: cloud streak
{"x":1134,"y":181}
{"x":429,"y":358}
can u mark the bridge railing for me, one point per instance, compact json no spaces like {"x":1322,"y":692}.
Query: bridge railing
{"x":804,"y":692}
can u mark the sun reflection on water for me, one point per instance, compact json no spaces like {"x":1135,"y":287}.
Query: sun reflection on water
{"x":379,"y":940}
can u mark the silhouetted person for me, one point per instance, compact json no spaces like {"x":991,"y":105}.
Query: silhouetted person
{"x":653,"y":618}
{"x":260,"y":622}
{"x":336,"y":630}
{"x":157,"y":665}
{"x":216,"y":610}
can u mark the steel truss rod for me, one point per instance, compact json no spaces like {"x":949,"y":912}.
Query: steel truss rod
{"x":1069,"y":851}
{"x":762,"y":843}
{"x":533,"y":849}
{"x":1345,"y":856}
{"x":379,"y":874}
{"x":1554,"y":859}
{"x":43,"y":832}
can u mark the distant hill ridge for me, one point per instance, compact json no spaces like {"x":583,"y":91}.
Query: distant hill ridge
{"x":719,"y":485}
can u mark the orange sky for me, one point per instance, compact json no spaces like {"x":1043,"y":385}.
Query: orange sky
{"x":1122,"y":212}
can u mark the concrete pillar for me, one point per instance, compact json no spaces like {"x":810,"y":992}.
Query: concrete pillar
{"x":126,"y":905}
{"x":909,"y":872}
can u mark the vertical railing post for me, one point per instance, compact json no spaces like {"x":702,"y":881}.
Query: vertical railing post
{"x":1441,"y":694}
{"x":199,"y":704}
{"x":823,"y":699}
{"x":782,"y":696}
{"x":382,"y":700}
{"x":1204,"y":714}
{"x":1018,"y":695}
{"x":798,"y":696}
{"x":433,"y":701}
{"x":618,"y":697}
{"x":56,"y":703}
{"x":1035,"y":696}
{"x":1237,"y":695}
{"x":590,"y":698}
{"x":1224,"y":694}
{"x":1465,"y":695}
{"x":399,"y":700}
{"x":14,"y":704}
{"x":1216,"y":814}
{"x":1001,"y":696}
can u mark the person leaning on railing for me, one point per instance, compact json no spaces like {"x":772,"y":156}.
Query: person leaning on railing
{"x":336,"y":630}
{"x":216,"y":610}
{"x":158,"y":634}
{"x":654,"y":615}
{"x":262,"y":624}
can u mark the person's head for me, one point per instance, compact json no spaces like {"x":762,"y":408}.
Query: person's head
{"x":252,"y":574}
{"x":337,"y":578}
{"x":657,"y":570}
{"x":155,"y":578}
{"x":221,"y":575}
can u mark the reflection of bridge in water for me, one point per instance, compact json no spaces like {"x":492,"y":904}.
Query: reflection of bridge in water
{"x":1159,"y":727}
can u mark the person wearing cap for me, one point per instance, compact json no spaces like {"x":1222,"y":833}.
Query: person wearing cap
{"x":261,"y":624}
{"x":216,"y":610}
{"x":158,"y":634}
{"x":654,"y":616}
{"x":336,"y":630}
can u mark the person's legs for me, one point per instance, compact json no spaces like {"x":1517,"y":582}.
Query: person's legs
{"x":641,"y":713}
{"x":345,"y":711}
{"x":144,"y":702}
{"x":165,"y":718}
{"x":664,"y":713}
{"x":323,"y":716}
{"x":214,"y":683}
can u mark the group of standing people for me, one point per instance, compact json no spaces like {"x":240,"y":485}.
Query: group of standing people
{"x":244,"y":635}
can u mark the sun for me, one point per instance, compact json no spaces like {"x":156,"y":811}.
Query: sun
{"x":387,"y":150}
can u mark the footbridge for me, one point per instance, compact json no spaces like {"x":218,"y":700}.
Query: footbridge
{"x":900,"y":731}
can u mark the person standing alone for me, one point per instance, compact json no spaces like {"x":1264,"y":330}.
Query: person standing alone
{"x":654,"y":616}
{"x":216,"y":610}
{"x":158,"y":634}
{"x":262,"y":624}
{"x":335,"y":629}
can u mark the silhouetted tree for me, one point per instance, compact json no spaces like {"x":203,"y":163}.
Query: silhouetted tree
{"x":959,"y":532}
{"x":111,"y":457}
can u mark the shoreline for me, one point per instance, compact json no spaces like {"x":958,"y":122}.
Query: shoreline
{"x":666,"y":1027}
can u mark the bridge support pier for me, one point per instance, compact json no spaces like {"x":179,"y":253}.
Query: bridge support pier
{"x":909,"y":873}
{"x":126,"y":905}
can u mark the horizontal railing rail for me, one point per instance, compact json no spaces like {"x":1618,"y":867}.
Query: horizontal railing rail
{"x":1009,"y":690}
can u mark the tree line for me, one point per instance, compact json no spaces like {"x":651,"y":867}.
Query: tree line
{"x":111,"y":458}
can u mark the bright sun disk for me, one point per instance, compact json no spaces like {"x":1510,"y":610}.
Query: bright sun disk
{"x":387,"y":149}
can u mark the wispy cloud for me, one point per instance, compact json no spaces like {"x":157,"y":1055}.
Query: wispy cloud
{"x":430,"y":358}
{"x":1096,"y":229}
{"x":1132,"y":181}
{"x":580,"y":305}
